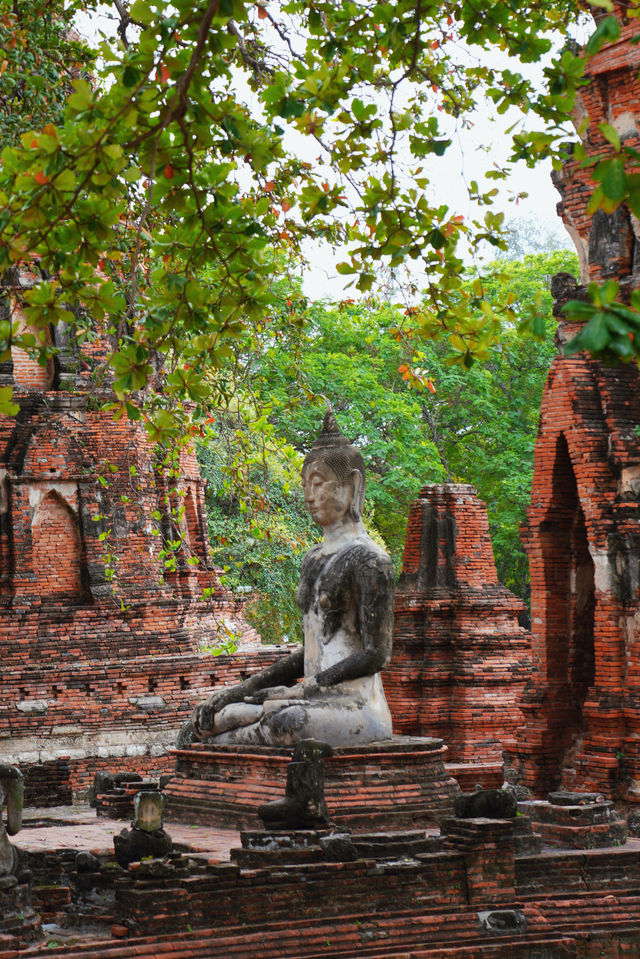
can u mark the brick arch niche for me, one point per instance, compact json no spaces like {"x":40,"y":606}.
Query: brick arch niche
{"x":568,"y":600}
{"x":58,"y":555}
{"x":193,"y":525}
{"x":582,"y":720}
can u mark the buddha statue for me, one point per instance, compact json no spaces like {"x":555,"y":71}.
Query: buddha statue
{"x":346,"y":600}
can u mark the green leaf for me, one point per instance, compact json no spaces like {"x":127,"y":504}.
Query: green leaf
{"x":66,"y":180}
{"x":132,"y":174}
{"x":7,"y":406}
{"x":130,"y":77}
{"x":607,"y":31}
{"x":610,"y":134}
{"x":614,"y":181}
{"x":141,"y":12}
{"x":82,"y":98}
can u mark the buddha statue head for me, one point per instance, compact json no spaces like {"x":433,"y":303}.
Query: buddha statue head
{"x":332,"y":453}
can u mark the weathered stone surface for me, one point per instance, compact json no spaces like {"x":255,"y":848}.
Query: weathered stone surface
{"x":303,"y":806}
{"x":132,"y":845}
{"x":11,"y":795}
{"x":339,"y":847}
{"x":148,"y":807}
{"x":503,"y":920}
{"x":487,"y":803}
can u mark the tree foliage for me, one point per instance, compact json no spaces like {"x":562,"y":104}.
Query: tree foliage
{"x":214,"y":134}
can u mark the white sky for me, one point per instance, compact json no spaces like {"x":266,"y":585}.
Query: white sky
{"x":472,"y":153}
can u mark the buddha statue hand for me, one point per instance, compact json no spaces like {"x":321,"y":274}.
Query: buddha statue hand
{"x":203,"y":716}
{"x":307,"y":689}
{"x":271,"y":692}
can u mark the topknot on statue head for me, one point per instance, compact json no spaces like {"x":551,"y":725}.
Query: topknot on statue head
{"x":335,"y":451}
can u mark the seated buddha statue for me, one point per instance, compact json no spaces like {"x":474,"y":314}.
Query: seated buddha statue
{"x":330,"y":689}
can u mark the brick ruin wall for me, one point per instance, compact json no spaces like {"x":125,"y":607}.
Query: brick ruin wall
{"x":88,"y":685}
{"x":101,"y":642}
{"x":582,"y":703}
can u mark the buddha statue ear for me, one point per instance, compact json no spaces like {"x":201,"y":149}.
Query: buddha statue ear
{"x":357,"y":500}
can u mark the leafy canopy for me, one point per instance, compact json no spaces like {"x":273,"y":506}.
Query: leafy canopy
{"x":212,"y":135}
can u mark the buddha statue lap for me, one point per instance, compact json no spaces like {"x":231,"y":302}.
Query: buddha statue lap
{"x":346,"y":600}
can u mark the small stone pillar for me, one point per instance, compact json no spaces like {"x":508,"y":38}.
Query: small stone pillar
{"x":488,"y":847}
{"x":146,"y":837}
{"x":303,"y":806}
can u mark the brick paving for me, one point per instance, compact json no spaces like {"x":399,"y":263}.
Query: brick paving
{"x":78,"y":827}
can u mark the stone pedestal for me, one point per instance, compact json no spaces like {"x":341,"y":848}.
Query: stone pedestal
{"x":395,"y":784}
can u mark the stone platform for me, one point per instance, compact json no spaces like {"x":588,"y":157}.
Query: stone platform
{"x":576,"y":821}
{"x":396,"y":784}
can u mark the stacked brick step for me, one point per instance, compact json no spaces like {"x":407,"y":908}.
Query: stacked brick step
{"x":576,"y":821}
{"x":581,"y":927}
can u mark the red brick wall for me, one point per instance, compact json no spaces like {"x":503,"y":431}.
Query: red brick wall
{"x":100,"y":643}
{"x":27,"y":372}
{"x":583,"y":540}
{"x":57,"y":550}
{"x":582,"y":704}
{"x":118,"y":714}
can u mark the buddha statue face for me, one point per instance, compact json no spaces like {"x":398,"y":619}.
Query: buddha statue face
{"x":333,"y":477}
{"x":328,"y":500}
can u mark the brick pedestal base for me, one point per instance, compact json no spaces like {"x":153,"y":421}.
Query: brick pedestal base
{"x":488,"y":847}
{"x":575,"y":825}
{"x":394,"y":784}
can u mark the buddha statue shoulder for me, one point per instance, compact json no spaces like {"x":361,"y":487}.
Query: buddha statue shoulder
{"x":345,"y":596}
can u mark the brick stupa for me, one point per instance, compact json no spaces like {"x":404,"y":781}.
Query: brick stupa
{"x":460,"y":658}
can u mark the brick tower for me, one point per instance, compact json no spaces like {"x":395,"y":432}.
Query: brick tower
{"x":582,"y":704}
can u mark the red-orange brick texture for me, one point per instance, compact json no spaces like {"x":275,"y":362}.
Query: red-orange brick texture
{"x":460,"y":659}
{"x":99,"y":641}
{"x":582,"y":704}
